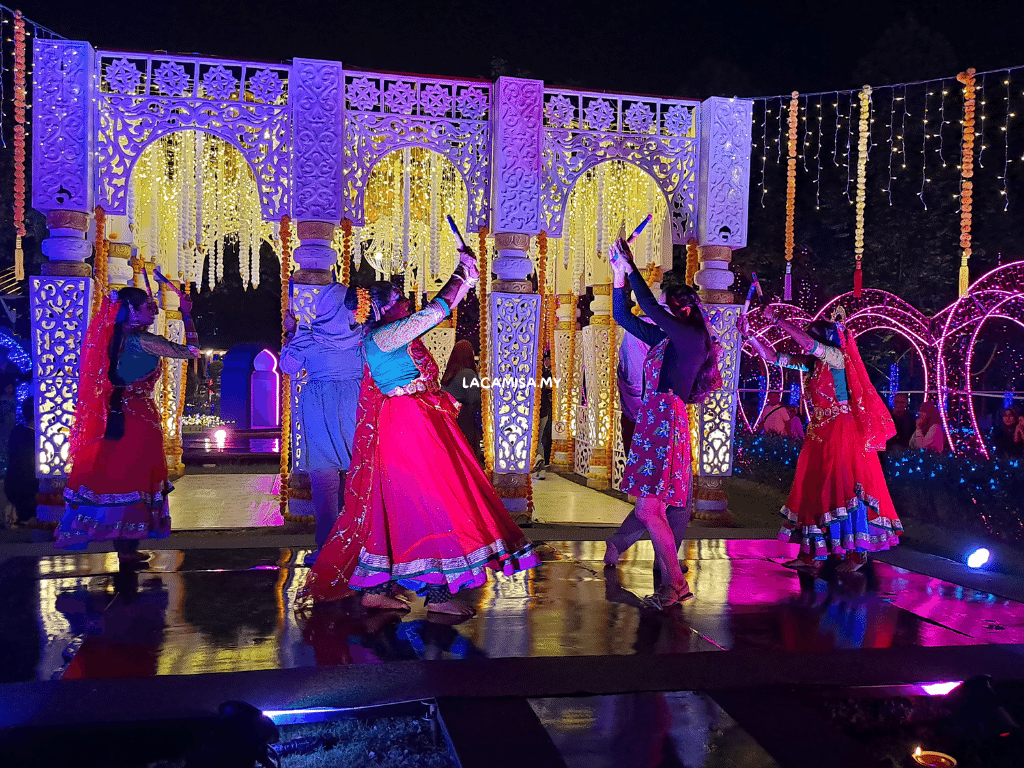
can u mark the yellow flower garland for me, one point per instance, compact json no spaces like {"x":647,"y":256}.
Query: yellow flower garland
{"x":966,"y":174}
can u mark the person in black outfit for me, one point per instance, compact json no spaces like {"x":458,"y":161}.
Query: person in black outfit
{"x":905,"y":423}
{"x":21,"y":484}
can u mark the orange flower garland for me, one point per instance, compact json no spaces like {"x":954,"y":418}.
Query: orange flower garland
{"x":692,"y":260}
{"x":863,"y":134}
{"x":485,"y":395}
{"x":286,"y":388}
{"x":346,"y":250}
{"x":966,"y":174}
{"x":100,"y":259}
{"x":19,"y":143}
{"x":794,"y":112}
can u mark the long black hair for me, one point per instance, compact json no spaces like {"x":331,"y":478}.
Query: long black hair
{"x":824,"y":332}
{"x":381,"y":292}
{"x":133,"y":298}
{"x":707,"y":378}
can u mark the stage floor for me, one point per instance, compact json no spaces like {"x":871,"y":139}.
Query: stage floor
{"x":227,"y":610}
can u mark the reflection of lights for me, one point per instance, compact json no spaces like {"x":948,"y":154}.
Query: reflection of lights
{"x":221,"y":436}
{"x":978,"y":558}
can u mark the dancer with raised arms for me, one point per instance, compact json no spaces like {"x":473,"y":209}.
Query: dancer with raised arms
{"x":419,"y":509}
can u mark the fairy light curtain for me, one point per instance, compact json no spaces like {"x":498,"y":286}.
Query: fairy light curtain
{"x":191,"y":196}
{"x":408,"y":195}
{"x":918,"y":139}
{"x":610,"y":196}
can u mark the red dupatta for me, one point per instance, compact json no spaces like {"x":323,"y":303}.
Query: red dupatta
{"x":872,"y":416}
{"x":94,"y":385}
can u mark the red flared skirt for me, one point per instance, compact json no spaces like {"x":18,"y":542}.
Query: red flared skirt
{"x":118,"y":489}
{"x":839,"y":501}
{"x":431,"y":515}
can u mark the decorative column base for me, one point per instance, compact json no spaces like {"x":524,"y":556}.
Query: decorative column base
{"x":711,"y":502}
{"x":599,"y":476}
{"x":514,"y":490}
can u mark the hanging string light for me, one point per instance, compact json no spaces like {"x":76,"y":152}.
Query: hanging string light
{"x":1006,"y":142}
{"x":805,"y":117}
{"x":794,"y":107}
{"x":943,"y":122}
{"x":981,"y":134}
{"x":849,"y":140}
{"x":862,"y":167}
{"x":817,"y":160}
{"x":924,"y":149}
{"x":966,"y":174}
{"x":764,"y":149}
{"x":892,"y":145}
{"x":835,"y":138}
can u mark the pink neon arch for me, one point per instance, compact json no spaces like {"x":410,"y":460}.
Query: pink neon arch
{"x":773,"y":337}
{"x":984,"y":301}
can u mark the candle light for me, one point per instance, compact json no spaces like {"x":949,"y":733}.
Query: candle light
{"x":933,"y":759}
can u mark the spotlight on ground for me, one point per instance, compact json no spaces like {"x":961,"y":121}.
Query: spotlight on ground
{"x":940,"y":689}
{"x":978,"y":558}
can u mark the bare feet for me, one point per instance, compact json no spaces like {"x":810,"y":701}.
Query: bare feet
{"x":452,"y":607}
{"x":611,"y":554}
{"x":850,"y":563}
{"x":376,"y":600}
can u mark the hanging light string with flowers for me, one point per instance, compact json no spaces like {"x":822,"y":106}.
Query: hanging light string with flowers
{"x":863,"y":133}
{"x":966,"y":176}
{"x":794,"y":115}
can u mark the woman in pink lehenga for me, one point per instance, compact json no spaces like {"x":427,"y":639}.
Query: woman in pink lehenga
{"x":419,"y":510}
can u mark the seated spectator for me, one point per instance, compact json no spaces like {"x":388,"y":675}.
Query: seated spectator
{"x":904,"y":421}
{"x":776,"y":416}
{"x":929,"y":435}
{"x":1003,"y":435}
{"x":796,"y":424}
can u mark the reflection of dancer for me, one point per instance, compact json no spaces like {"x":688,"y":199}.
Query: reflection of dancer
{"x":418,"y":507}
{"x":839,"y":503}
{"x":118,"y":484}
{"x":680,"y":368}
{"x":328,"y":351}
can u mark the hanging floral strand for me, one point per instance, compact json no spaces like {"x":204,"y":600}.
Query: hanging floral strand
{"x":485,"y":395}
{"x":19,"y":143}
{"x":966,"y":174}
{"x":346,"y":251}
{"x":863,"y":134}
{"x":692,"y":260}
{"x":100,"y":259}
{"x":286,"y":388}
{"x":794,"y":116}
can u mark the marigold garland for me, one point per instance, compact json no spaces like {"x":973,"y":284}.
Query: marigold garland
{"x":863,"y":134}
{"x":286,"y":387}
{"x":966,"y":174}
{"x":542,"y":271}
{"x":346,"y":250}
{"x":573,"y":399}
{"x":692,"y":260}
{"x":794,"y":112}
{"x":100,"y":259}
{"x":19,"y":144}
{"x":363,"y":306}
{"x":485,"y":395}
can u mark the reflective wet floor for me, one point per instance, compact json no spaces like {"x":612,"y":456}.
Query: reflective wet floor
{"x":640,"y":730}
{"x":211,"y":610}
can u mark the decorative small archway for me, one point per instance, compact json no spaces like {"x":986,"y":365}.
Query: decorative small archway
{"x":142,"y":98}
{"x":659,"y":136}
{"x":384,"y":113}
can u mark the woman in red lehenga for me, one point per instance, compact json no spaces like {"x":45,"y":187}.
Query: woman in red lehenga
{"x":839,"y":504}
{"x":118,"y":484}
{"x":419,"y":510}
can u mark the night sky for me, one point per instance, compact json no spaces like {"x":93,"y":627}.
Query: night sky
{"x":660,"y":46}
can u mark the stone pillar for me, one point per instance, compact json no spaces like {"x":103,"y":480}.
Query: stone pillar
{"x":120,"y":252}
{"x":515,"y":307}
{"x":598,"y":348}
{"x":317,"y":98}
{"x":725,"y":138}
{"x":173,"y":393}
{"x":60,"y":297}
{"x":562,"y":368}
